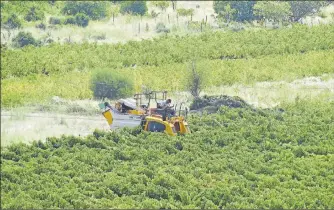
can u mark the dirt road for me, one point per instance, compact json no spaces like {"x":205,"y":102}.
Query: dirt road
{"x":26,"y":127}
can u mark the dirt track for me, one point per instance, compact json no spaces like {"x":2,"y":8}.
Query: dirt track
{"x":27,"y":127}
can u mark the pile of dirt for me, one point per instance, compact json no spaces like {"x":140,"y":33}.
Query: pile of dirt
{"x":211,"y":104}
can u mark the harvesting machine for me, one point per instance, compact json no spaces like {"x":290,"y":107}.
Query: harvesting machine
{"x":158,"y":119}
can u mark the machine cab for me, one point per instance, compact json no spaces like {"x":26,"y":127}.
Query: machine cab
{"x":156,"y":124}
{"x":181,"y":126}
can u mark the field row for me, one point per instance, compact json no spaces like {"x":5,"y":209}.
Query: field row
{"x":172,"y":77}
{"x":238,"y":158}
{"x":57,"y":58}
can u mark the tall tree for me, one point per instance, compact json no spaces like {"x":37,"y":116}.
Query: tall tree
{"x":94,"y":10}
{"x":244,"y":9}
{"x":227,"y":13}
{"x":302,"y":8}
{"x":273,"y":10}
{"x":163,"y":5}
{"x":134,"y":7}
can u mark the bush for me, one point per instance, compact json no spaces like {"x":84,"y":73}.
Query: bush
{"x":70,"y":20}
{"x":81,"y":20}
{"x":34,"y":14}
{"x":185,"y":12}
{"x":41,"y":26}
{"x":12,"y":22}
{"x":136,"y":7}
{"x":161,"y":28}
{"x":54,"y":21}
{"x":100,"y":36}
{"x":23,"y":39}
{"x":111,"y":84}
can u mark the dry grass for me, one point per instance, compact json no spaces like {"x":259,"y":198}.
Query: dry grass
{"x":124,"y":27}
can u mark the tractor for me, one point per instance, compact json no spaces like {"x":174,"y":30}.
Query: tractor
{"x":168,"y":120}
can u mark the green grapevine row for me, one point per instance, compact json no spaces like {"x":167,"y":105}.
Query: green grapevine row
{"x":172,"y":77}
{"x":237,"y":158}
{"x":57,"y":58}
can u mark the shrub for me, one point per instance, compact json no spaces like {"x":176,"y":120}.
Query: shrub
{"x":70,"y":20}
{"x":23,"y":39}
{"x":135,"y":7}
{"x":160,"y":27}
{"x":54,"y":21}
{"x":12,"y":22}
{"x":111,"y":84}
{"x":81,"y":20}
{"x":195,"y":82}
{"x":185,"y":12}
{"x":194,"y":25}
{"x":34,"y":14}
{"x":100,"y":36}
{"x":41,"y":26}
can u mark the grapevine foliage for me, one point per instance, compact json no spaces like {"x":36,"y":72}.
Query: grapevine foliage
{"x":57,"y":58}
{"x":236,"y":158}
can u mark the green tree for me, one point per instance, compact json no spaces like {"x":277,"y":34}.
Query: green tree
{"x":114,"y":10}
{"x":34,"y":14}
{"x":134,"y":7}
{"x":94,"y":10}
{"x":302,"y":8}
{"x":70,"y":20}
{"x":81,"y":20}
{"x":23,"y":39}
{"x":12,"y":22}
{"x":163,"y":5}
{"x":227,"y":13}
{"x":244,"y":9}
{"x":273,"y":10}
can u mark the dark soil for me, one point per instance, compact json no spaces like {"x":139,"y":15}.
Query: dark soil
{"x":211,"y":104}
{"x":218,"y":101}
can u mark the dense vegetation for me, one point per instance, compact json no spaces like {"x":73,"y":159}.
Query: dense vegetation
{"x":111,"y":84}
{"x":270,"y":10}
{"x":57,"y":58}
{"x":32,"y":11}
{"x":238,"y":158}
{"x":172,"y":77}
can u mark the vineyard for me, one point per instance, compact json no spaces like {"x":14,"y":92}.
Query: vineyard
{"x":57,"y":58}
{"x":237,"y":158}
{"x":222,"y":58}
{"x":75,"y":85}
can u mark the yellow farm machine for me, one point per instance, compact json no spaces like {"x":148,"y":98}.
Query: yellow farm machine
{"x":132,"y":111}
